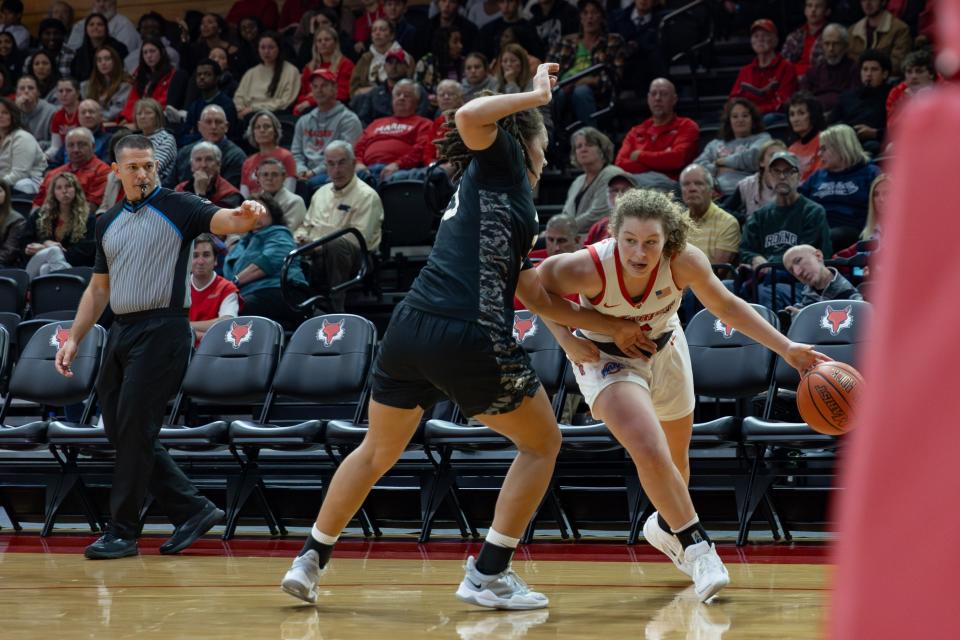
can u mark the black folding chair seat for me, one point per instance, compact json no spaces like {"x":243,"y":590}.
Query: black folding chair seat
{"x":64,"y":433}
{"x":210,"y":435}
{"x":26,"y":436}
{"x":250,"y":433}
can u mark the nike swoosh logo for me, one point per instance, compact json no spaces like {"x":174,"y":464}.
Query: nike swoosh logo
{"x":609,"y":306}
{"x":474,"y":584}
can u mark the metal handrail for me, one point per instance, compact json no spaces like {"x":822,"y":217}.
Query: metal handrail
{"x":589,"y":71}
{"x":299,"y":251}
{"x":678,"y":12}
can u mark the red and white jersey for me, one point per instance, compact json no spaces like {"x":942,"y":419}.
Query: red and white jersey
{"x":656,"y":309}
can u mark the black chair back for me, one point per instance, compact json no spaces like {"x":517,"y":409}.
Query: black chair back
{"x":725,"y":362}
{"x":235,"y":361}
{"x":328,"y":358}
{"x":56,"y":292}
{"x":36,"y":380}
{"x":406,"y":219}
{"x":836,"y":328}
{"x":22,"y":278}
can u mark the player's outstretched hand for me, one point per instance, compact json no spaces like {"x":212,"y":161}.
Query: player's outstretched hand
{"x":803,"y":357}
{"x":545,"y":80}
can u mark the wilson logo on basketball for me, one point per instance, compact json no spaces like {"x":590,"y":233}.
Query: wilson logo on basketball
{"x":330,"y":332}
{"x":238,"y":334}
{"x":523,"y":328}
{"x":58,"y":337}
{"x":836,"y":320}
{"x":726,"y":330}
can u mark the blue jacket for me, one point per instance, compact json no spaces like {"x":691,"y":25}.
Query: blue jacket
{"x":844,"y":194}
{"x":265,"y":248}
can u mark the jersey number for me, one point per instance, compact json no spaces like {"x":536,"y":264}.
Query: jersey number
{"x":454,"y":205}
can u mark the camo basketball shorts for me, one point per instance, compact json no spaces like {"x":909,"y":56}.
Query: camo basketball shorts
{"x":668,"y":376}
{"x":425,"y":358}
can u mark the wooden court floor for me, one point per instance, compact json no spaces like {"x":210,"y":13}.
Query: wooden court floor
{"x":399,"y":590}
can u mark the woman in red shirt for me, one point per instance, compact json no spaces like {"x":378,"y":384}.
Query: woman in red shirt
{"x":326,"y":55}
{"x":155,"y":78}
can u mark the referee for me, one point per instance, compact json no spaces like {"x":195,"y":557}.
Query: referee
{"x":144,"y":246}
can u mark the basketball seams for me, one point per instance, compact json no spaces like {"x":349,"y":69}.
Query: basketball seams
{"x":827,"y":399}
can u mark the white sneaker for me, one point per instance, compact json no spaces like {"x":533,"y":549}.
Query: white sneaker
{"x":302,"y":577}
{"x":503,"y":591}
{"x":709,"y":574}
{"x":665,"y":542}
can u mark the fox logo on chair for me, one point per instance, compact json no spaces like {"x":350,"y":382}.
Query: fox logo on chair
{"x":524,"y":327}
{"x":58,"y":337}
{"x":725,"y":329}
{"x":836,"y":320}
{"x":330,"y":332}
{"x":238,"y":334}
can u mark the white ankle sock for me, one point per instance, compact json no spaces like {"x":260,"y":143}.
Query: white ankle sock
{"x":323,"y":538}
{"x":497,"y":538}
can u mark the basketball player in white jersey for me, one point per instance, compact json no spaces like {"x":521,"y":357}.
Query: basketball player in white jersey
{"x":640,"y":273}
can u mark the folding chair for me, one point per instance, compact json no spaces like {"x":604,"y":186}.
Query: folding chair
{"x":327,"y":361}
{"x":35,"y":379}
{"x":837,"y":329}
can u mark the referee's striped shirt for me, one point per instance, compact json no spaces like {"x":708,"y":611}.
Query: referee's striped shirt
{"x":146,"y":248}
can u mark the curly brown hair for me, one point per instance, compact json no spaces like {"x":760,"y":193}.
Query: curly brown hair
{"x":523,"y":125}
{"x":50,"y":211}
{"x":647,"y":204}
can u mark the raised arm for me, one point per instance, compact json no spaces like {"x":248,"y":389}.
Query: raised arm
{"x":477,"y":119}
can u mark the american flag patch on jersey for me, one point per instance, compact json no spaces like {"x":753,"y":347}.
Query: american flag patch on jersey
{"x":662,"y":293}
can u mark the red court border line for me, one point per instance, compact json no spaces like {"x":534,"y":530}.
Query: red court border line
{"x":772,"y":553}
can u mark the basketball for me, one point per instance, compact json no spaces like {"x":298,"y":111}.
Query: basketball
{"x":827,"y":396}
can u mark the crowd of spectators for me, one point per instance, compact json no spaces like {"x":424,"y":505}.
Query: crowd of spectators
{"x":311,"y":106}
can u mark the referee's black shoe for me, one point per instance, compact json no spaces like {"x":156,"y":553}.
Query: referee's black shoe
{"x":109,"y":546}
{"x":188,"y":532}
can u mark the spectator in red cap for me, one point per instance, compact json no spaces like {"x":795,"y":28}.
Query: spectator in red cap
{"x":379,"y":102}
{"x":769,"y":80}
{"x":328,"y":122}
{"x":396,"y":142}
{"x":327,"y":56}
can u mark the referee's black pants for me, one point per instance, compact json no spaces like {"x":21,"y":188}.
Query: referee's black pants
{"x":146,"y":358}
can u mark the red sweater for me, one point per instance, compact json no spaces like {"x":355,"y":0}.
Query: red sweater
{"x":767,"y":87}
{"x":665,"y":148}
{"x":92,"y":177}
{"x":392,"y":139}
{"x":158,"y":93}
{"x":344,"y":71}
{"x":430,"y":151}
